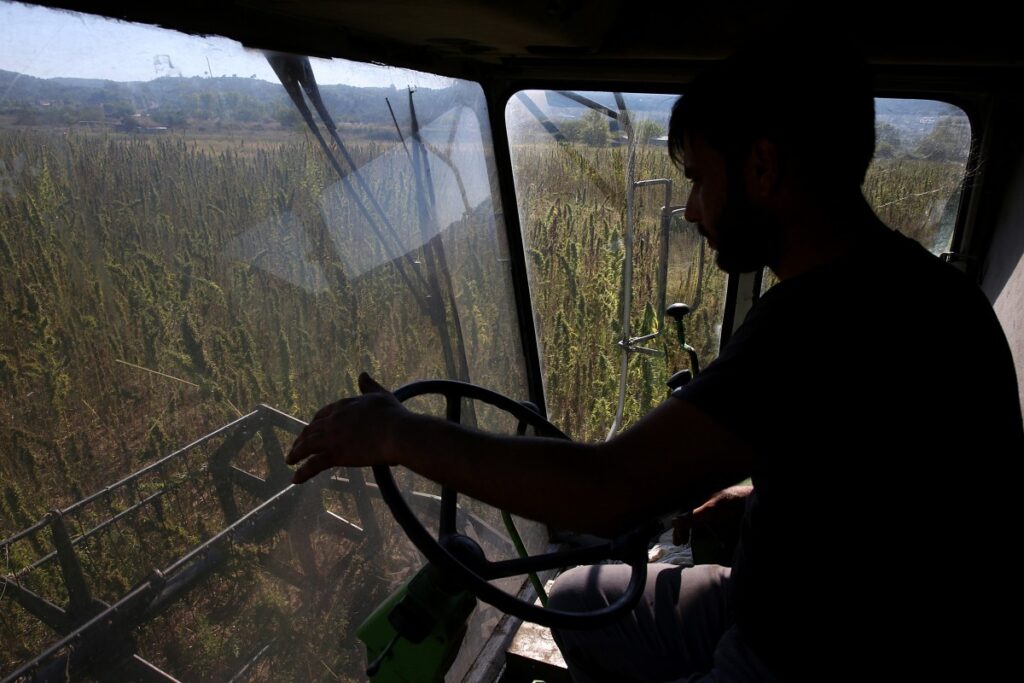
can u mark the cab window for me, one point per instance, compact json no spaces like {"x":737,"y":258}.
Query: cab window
{"x":916,"y":179}
{"x":598,"y":196}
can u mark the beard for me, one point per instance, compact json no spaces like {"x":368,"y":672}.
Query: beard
{"x":748,"y":237}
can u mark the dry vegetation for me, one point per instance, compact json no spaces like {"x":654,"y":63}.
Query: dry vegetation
{"x":129,"y":332}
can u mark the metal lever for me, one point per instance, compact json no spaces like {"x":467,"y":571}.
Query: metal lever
{"x":679,"y":311}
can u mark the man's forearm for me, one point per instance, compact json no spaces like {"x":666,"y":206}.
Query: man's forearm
{"x":566,"y":484}
{"x":675,"y":457}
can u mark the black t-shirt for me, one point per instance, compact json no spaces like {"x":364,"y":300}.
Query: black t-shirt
{"x":880,"y":398}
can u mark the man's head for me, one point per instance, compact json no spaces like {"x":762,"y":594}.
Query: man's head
{"x":780,"y":115}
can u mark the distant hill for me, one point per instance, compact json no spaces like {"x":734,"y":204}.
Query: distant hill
{"x":182,"y":102}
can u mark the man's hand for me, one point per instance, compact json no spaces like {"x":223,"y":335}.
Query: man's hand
{"x":353,"y":432}
{"x":720,"y":514}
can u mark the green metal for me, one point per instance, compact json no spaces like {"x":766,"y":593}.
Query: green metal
{"x":517,"y":541}
{"x":414,"y":635}
{"x":691,"y":353}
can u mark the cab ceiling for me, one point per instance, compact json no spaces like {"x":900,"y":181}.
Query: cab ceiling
{"x":588,"y":39}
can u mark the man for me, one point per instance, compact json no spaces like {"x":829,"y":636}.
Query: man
{"x":871,"y":452}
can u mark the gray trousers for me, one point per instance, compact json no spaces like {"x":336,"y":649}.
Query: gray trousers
{"x":681,"y":630}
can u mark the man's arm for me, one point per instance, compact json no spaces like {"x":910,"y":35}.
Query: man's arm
{"x":676,"y":456}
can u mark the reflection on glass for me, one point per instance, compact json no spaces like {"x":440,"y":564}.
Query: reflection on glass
{"x":186,"y":277}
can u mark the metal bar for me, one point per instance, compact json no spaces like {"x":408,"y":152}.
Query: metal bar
{"x":280,"y":475}
{"x":302,"y":522}
{"x":636,"y":340}
{"x":342,"y":525}
{"x":541,"y":117}
{"x":449,"y":497}
{"x":220,"y":468}
{"x":109,"y":619}
{"x":41,"y":524}
{"x":486,"y":532}
{"x":248,"y":665}
{"x":148,"y":468}
{"x":79,"y":596}
{"x":341,"y":484}
{"x":665,"y":228}
{"x":151,"y":595}
{"x":99,"y":527}
{"x":285,"y":573}
{"x":187,"y":570}
{"x":509,"y":213}
{"x":361,"y":491}
{"x":627,"y":266}
{"x":249,"y":482}
{"x":143,"y":670}
{"x":398,"y":129}
{"x":277,"y":418}
{"x":430,"y":502}
{"x":666,"y":220}
{"x":135,"y":475}
{"x":228,"y":532}
{"x":38,"y":606}
{"x":591,"y":104}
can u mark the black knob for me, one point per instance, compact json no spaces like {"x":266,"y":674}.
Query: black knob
{"x":678,"y":311}
{"x":680,"y":379}
{"x":466,"y":550}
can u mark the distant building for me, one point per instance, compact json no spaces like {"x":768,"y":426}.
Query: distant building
{"x":139,"y":123}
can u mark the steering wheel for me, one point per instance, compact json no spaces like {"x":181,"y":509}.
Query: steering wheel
{"x":461,"y":558}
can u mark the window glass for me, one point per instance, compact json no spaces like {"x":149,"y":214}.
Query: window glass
{"x":915,"y":179}
{"x":593,"y":183}
{"x":914,"y":182}
{"x":187,"y":273}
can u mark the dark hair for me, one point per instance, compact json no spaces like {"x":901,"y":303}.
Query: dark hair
{"x":812,"y":97}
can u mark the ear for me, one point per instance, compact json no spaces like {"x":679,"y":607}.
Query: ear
{"x":763,"y":169}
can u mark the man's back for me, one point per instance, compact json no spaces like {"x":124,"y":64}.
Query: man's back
{"x":879,"y":394}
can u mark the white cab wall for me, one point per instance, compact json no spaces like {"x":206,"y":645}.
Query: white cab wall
{"x":1003,"y":280}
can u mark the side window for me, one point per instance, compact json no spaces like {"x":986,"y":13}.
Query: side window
{"x":592,"y":179}
{"x":915,"y":181}
{"x":608,"y":250}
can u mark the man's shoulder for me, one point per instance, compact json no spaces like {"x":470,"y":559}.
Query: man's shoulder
{"x":889,"y":272}
{"x":923,"y":283}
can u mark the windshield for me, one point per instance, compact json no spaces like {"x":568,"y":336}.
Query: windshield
{"x":190,"y":266}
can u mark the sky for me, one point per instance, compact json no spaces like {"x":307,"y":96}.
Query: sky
{"x":48,"y":43}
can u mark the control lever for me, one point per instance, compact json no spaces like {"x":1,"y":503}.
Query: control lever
{"x":679,"y":311}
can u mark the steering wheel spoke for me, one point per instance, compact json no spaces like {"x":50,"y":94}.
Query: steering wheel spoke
{"x":449,"y":497}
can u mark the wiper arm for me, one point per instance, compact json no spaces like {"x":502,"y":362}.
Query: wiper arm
{"x":296,"y":75}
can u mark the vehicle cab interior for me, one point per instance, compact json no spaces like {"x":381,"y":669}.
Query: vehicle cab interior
{"x":214,"y":215}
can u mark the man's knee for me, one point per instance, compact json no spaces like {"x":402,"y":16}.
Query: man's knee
{"x":654,"y":640}
{"x":587,"y":588}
